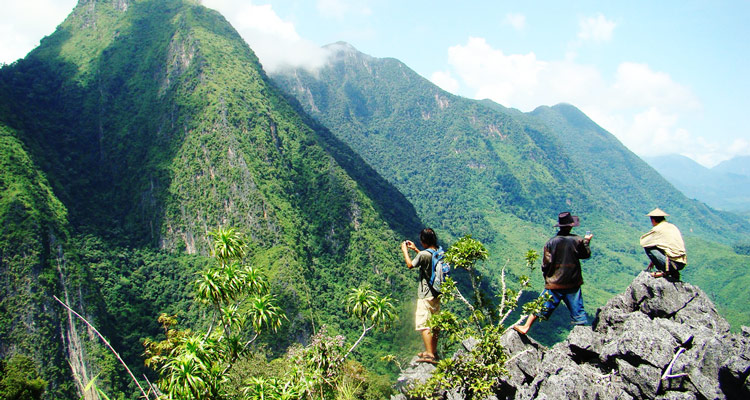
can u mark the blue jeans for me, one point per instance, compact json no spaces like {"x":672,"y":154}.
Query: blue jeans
{"x":660,"y":260}
{"x":573,"y":299}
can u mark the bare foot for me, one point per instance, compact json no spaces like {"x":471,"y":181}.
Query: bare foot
{"x":520,"y":329}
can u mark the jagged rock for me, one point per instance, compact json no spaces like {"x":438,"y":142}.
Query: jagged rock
{"x":639,"y":341}
{"x":657,"y":340}
{"x":640,"y":380}
{"x":525,"y":354}
{"x":415,"y":374}
{"x":584,"y":343}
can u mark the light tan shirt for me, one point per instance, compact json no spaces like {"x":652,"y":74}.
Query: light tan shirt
{"x":667,"y":237}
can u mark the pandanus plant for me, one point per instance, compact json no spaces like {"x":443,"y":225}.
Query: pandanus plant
{"x":195,"y":365}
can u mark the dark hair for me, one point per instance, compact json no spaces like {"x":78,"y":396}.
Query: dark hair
{"x":428,"y":237}
{"x":658,"y":219}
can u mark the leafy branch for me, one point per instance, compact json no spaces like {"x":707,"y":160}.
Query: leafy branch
{"x":477,"y":370}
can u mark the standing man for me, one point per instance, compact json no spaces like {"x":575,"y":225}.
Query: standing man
{"x":428,"y":302}
{"x":664,"y":247}
{"x":561,"y":267}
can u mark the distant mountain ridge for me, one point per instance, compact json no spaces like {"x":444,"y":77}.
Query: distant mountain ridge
{"x":476,"y":167}
{"x":725,"y":186}
{"x":739,"y":165}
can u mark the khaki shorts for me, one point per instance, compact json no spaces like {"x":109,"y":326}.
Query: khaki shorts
{"x":425,"y":309}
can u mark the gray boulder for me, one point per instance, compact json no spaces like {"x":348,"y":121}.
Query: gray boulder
{"x":657,"y":340}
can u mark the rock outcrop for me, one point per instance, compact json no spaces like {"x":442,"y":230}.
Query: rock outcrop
{"x":657,"y":340}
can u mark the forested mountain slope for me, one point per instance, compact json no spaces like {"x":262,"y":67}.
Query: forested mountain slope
{"x":609,"y":165}
{"x":475,"y":167}
{"x":128,"y":134}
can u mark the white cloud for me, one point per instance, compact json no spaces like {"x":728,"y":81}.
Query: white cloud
{"x":646,"y":109}
{"x":521,"y":80}
{"x":23,"y":23}
{"x":739,"y":147}
{"x":275,"y":41}
{"x":596,"y":29}
{"x":492,"y":74}
{"x":637,"y":83}
{"x":517,"y":21}
{"x":717,"y":154}
{"x":445,"y":80}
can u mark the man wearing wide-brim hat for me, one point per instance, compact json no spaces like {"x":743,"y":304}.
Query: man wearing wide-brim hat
{"x":561,"y":266}
{"x":664,"y":246}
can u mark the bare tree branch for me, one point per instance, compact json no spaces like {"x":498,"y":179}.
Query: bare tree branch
{"x":105,"y":342}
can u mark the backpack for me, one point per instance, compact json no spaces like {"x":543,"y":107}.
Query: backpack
{"x":440,"y":270}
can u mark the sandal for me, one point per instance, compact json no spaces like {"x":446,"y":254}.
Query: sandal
{"x":657,"y":274}
{"x":427,"y":359}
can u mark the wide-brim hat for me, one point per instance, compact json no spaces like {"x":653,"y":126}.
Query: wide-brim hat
{"x":566,"y":219}
{"x":657,"y":212}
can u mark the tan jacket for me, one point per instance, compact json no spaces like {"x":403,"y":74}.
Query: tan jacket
{"x":667,"y":237}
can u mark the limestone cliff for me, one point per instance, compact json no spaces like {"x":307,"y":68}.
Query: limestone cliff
{"x":657,"y":340}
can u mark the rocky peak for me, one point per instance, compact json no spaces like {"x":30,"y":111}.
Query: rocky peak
{"x":657,"y":340}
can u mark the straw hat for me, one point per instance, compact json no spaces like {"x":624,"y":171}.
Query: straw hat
{"x":657,"y":212}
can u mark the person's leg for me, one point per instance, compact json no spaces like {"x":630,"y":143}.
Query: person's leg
{"x":524,"y":329}
{"x":574,"y":300}
{"x":430,"y":343}
{"x":425,"y":309}
{"x":657,"y":258}
{"x":549,"y":307}
{"x":673,"y":270}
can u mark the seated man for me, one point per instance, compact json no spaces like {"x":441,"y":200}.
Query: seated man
{"x":664,"y":247}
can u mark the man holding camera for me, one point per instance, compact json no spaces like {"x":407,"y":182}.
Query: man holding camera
{"x":428,"y":302}
{"x":561,"y":267}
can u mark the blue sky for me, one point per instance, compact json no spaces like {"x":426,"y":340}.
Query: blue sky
{"x":663,"y":76}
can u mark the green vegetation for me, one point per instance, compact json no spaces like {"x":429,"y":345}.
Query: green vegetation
{"x":474,"y":371}
{"x":195,"y":365}
{"x":126,"y":134}
{"x":198,"y":365}
{"x":19,"y":379}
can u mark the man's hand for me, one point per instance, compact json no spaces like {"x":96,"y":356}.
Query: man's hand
{"x":410,"y":245}
{"x":405,"y":246}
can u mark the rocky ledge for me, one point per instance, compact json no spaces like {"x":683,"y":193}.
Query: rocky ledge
{"x":657,"y":340}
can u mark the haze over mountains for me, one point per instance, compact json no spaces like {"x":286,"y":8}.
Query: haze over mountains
{"x":139,"y":126}
{"x":726,"y":186}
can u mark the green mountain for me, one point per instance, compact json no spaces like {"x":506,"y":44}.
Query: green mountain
{"x":739,"y":165}
{"x":127,"y":135}
{"x":724,"y":186}
{"x":475,"y":167}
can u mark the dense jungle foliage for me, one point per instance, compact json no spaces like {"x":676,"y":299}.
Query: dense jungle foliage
{"x":128,"y":134}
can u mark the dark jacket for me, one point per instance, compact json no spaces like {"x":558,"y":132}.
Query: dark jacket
{"x":560,"y":264}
